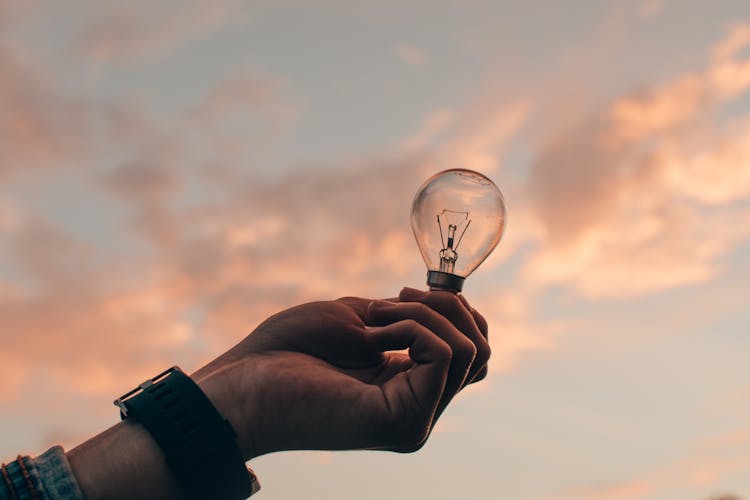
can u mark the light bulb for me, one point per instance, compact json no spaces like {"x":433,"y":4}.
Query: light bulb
{"x":458,"y":218}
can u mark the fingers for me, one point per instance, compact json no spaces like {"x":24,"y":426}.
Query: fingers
{"x":462,"y":349}
{"x":478,"y":318}
{"x":483,"y":328}
{"x":469,"y":322}
{"x":361,"y":306}
{"x":453,"y":306}
{"x":412,"y":397}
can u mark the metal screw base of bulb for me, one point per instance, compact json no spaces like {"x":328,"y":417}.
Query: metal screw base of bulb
{"x":438,"y":280}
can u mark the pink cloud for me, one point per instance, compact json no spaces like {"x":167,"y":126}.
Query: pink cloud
{"x":45,"y":127}
{"x":410,"y":54}
{"x":119,"y":31}
{"x":626,"y":490}
{"x":514,"y":331}
{"x":615,"y":211}
{"x":659,"y":110}
{"x":481,"y":135}
{"x":247,"y":92}
{"x":651,"y":8}
{"x":214,"y":271}
{"x":701,"y":472}
{"x":71,"y":317}
{"x":243,"y":115}
{"x":621,"y":196}
{"x":39,"y":128}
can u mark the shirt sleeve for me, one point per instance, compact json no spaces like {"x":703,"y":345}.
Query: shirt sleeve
{"x":46,"y":477}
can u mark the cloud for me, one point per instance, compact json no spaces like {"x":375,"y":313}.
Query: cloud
{"x":622,"y":197}
{"x":247,"y":91}
{"x":651,"y":8}
{"x":624,"y":490}
{"x":648,"y":112}
{"x":242,"y":115}
{"x":313,"y":234}
{"x":701,"y":471}
{"x":213,"y":266}
{"x":149,"y":189}
{"x":433,"y":125}
{"x":45,"y":128}
{"x":514,"y":332}
{"x":218,"y":268}
{"x":481,"y":135}
{"x":118,"y":31}
{"x":410,"y":55}
{"x":639,"y":253}
{"x":39,"y":127}
{"x":638,"y":197}
{"x":143,"y":181}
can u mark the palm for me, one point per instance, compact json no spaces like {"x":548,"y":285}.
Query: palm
{"x":324,"y":406}
{"x":328,"y":375}
{"x":333,"y":382}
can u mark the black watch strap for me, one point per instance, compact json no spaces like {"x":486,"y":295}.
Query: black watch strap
{"x":199,"y":445}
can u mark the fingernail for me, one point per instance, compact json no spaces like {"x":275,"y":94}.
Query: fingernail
{"x":380,"y":304}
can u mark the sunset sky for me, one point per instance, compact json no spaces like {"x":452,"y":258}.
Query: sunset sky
{"x":171,"y":173}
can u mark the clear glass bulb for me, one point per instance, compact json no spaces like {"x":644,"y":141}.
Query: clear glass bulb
{"x":458,"y":218}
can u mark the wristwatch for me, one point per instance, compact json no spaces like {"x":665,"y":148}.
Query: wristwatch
{"x":199,"y":445}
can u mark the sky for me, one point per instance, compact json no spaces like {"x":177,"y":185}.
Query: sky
{"x":171,"y":173}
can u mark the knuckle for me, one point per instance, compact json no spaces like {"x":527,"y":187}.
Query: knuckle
{"x":481,"y":375}
{"x":444,"y":351}
{"x":441,"y":300}
{"x":481,"y":324}
{"x":448,"y":301}
{"x":421,"y":309}
{"x":467,"y":351}
{"x":412,"y":324}
{"x":484,"y":351}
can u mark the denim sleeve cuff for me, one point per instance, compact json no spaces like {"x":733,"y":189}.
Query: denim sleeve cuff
{"x":46,"y":477}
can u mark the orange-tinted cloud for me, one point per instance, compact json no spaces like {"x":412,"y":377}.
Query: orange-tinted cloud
{"x":482,"y":134}
{"x":622,"y":195}
{"x":118,"y":31}
{"x":615,"y":207}
{"x":702,"y":473}
{"x":410,"y":54}
{"x":39,"y":128}
{"x":213,"y":272}
{"x":625,"y":490}
{"x":513,"y":329}
{"x":72,"y":314}
{"x":651,"y":8}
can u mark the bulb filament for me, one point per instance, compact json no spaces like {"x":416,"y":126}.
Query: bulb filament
{"x":449,"y":252}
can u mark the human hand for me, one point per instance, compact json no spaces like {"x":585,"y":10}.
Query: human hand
{"x":325,"y":375}
{"x":472,"y":349}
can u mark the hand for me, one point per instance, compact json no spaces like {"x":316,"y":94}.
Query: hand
{"x":317,"y":376}
{"x":473,"y":349}
{"x":324,"y":375}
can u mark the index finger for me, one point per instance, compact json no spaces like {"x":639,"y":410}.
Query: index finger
{"x":453,"y":307}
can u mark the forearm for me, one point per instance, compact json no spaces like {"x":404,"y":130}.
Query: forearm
{"x":122,"y":462}
{"x":126,"y":462}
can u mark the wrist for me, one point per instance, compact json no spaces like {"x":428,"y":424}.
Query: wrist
{"x":234,"y":402}
{"x":199,"y":443}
